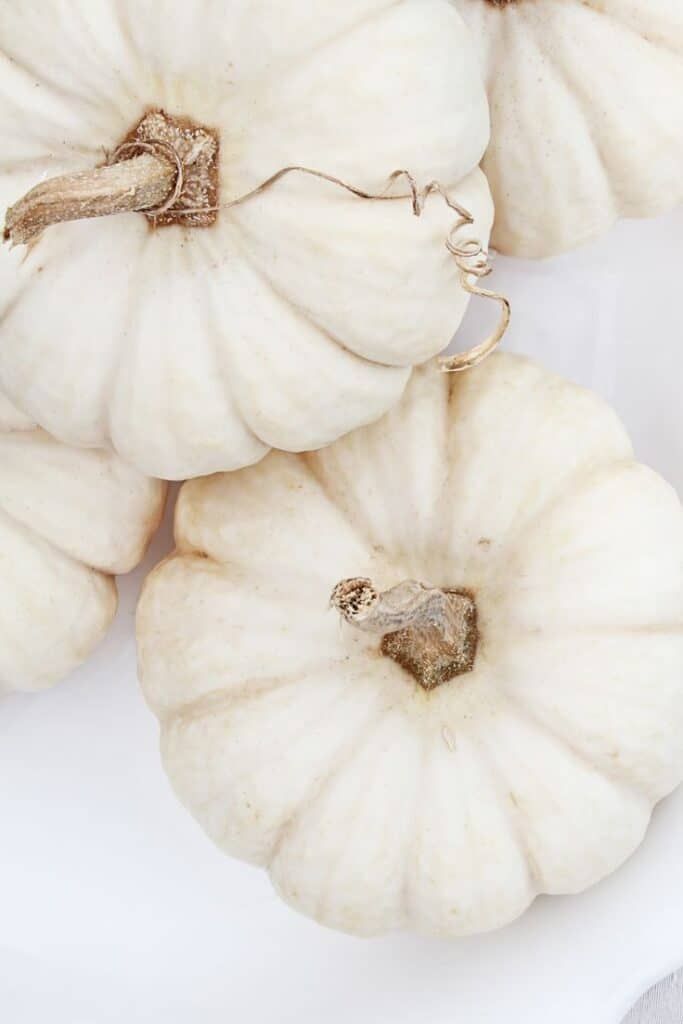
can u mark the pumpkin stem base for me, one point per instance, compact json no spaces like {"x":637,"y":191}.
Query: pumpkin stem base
{"x":195,"y":151}
{"x":165,"y":168}
{"x":430,"y":632}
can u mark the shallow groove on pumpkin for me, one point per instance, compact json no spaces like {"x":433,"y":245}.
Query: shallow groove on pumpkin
{"x":344,"y":757}
{"x":605,"y":768}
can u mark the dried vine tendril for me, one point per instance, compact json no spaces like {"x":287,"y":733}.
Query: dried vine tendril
{"x":470,"y":257}
{"x":153,"y":177}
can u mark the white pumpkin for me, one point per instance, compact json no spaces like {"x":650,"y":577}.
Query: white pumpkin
{"x":586,"y":102}
{"x":540,"y":713}
{"x":69,"y":520}
{"x":285,"y":321}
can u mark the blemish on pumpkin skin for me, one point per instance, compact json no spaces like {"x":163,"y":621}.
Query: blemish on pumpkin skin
{"x":200,"y":554}
{"x":448,"y":738}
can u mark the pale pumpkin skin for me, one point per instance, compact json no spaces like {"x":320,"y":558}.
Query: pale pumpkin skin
{"x":69,"y":520}
{"x":586,"y":101}
{"x":298,"y":315}
{"x":374,"y":804}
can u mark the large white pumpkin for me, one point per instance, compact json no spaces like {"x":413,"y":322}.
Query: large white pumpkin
{"x":69,"y":520}
{"x":282,"y":322}
{"x":540,"y":713}
{"x":586,"y":102}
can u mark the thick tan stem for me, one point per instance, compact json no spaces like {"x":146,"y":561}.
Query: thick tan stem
{"x":142,"y":183}
{"x":432,"y":633}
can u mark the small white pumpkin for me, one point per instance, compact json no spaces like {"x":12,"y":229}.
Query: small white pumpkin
{"x":69,"y":520}
{"x":549,"y":711}
{"x":285,"y":321}
{"x":586,"y":102}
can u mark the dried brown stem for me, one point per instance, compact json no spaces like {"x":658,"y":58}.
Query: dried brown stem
{"x":166,"y":168}
{"x":431,"y":633}
{"x":141,"y":183}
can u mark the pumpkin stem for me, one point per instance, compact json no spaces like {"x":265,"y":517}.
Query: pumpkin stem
{"x":431,"y":633}
{"x":133,"y":185}
{"x":166,"y":168}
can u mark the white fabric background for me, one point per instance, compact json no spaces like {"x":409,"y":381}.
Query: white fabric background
{"x":663,"y":1004}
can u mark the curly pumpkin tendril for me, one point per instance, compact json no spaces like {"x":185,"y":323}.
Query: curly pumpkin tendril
{"x":470,"y":257}
{"x":141,"y":172}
